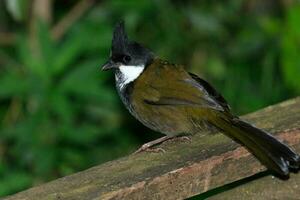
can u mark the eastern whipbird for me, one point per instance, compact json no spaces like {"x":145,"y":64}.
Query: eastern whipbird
{"x":168,"y":99}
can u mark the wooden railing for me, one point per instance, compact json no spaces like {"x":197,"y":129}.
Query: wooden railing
{"x":186,"y":169}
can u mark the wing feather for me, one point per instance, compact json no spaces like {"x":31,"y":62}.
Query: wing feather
{"x":184,"y":89}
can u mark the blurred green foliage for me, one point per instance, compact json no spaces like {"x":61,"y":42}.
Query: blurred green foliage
{"x":60,"y":114}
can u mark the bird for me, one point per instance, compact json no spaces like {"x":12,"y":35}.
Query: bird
{"x":166,"y":98}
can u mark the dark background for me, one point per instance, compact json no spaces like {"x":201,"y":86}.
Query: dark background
{"x":60,"y":114}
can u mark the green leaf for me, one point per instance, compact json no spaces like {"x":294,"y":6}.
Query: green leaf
{"x":61,"y":106}
{"x":46,"y":48}
{"x":84,"y":81}
{"x":17,"y":8}
{"x":291,"y":48}
{"x":31,"y":62}
{"x":10,"y":85}
{"x":14,"y":181}
{"x":67,"y":53}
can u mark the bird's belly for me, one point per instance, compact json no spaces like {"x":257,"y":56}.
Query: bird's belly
{"x":170,"y":120}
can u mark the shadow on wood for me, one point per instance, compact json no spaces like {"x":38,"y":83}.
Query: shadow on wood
{"x":186,"y":169}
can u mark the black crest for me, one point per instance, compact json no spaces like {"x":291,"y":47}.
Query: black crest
{"x":128,"y":52}
{"x":120,"y":39}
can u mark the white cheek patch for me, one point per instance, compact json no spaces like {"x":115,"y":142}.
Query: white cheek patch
{"x":130,"y":73}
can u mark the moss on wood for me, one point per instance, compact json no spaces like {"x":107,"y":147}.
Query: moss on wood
{"x":186,"y":169}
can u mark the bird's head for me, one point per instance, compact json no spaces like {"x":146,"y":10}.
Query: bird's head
{"x":125,"y":54}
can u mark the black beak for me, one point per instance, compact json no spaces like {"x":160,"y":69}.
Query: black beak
{"x":108,"y":65}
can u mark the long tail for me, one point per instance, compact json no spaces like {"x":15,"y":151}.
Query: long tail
{"x":275,"y":155}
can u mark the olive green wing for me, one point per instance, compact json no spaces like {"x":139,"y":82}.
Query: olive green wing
{"x":173,"y":86}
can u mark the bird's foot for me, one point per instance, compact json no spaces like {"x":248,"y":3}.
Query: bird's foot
{"x":182,"y":138}
{"x":149,"y":149}
{"x":148,"y":145}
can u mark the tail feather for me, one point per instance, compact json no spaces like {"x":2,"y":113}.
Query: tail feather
{"x":275,"y":155}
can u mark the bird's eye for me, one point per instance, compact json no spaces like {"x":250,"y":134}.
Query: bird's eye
{"x":126,"y":59}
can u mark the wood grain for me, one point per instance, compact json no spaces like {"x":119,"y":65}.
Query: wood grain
{"x":184,"y":170}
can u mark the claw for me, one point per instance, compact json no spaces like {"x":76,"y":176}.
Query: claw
{"x":147,"y":146}
{"x":186,"y":138}
{"x":148,"y":149}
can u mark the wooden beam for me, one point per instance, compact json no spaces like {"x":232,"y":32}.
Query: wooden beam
{"x":267,"y":187}
{"x":184,"y":170}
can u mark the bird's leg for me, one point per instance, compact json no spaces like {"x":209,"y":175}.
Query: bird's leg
{"x":146,"y":147}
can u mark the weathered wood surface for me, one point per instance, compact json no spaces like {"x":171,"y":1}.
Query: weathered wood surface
{"x":184,"y":170}
{"x":264,"y":188}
